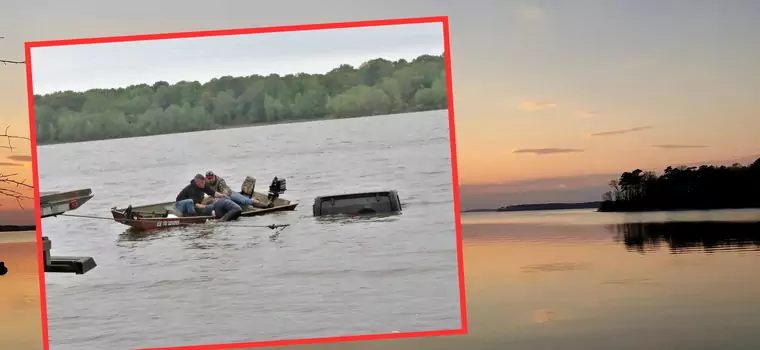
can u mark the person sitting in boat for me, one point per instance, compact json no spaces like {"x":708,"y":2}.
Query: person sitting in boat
{"x":219,"y":185}
{"x":189,"y":199}
{"x":224,"y":208}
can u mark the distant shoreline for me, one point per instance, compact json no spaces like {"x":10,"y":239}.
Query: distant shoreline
{"x":682,"y":188}
{"x":377,"y":87}
{"x":539,"y":207}
{"x":648,"y":210}
{"x":17,"y":228}
{"x":500,"y":210}
{"x":228,"y":127}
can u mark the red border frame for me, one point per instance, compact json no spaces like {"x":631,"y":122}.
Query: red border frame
{"x":455,"y":177}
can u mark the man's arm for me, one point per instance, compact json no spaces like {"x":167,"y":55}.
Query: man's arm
{"x":205,"y":203}
{"x":182,"y":194}
{"x":210,"y":191}
{"x":223,"y":188}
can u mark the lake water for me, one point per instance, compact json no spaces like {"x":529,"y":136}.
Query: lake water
{"x":213,"y":284}
{"x":20,"y":314}
{"x":581,"y":280}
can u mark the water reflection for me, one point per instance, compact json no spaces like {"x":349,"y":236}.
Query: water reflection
{"x":552,"y":285}
{"x":349,"y":219}
{"x":20,"y":326}
{"x":682,"y":237}
{"x":133,"y":236}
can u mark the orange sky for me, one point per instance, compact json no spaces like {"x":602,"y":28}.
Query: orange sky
{"x":528,"y":103}
{"x":20,"y":317}
{"x":593,"y":66}
{"x":14,"y":113}
{"x":16,"y":161}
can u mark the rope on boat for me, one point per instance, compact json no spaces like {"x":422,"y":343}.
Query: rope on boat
{"x":271,"y":227}
{"x":90,"y":217}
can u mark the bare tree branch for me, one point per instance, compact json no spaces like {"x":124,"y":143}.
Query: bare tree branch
{"x":7,"y":62}
{"x":16,"y":191}
{"x":10,"y":187}
{"x":11,"y":137}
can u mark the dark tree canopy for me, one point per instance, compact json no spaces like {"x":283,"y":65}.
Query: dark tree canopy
{"x":698,"y":188}
{"x":376,"y":87}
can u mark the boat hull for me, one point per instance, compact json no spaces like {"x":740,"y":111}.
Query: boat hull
{"x":156,"y":216}
{"x":57,"y":203}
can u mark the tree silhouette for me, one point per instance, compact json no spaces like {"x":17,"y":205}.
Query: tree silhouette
{"x":698,"y":188}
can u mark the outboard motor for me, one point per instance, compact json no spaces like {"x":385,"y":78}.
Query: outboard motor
{"x":276,"y":188}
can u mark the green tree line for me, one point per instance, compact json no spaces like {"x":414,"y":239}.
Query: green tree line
{"x":376,"y":87}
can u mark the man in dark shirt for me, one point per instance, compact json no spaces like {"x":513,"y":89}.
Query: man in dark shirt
{"x":226,"y":210}
{"x":190,"y":198}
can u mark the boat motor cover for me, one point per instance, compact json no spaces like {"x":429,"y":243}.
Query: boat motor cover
{"x":249,"y":184}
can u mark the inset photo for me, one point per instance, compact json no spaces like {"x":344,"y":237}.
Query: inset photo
{"x":252,"y":185}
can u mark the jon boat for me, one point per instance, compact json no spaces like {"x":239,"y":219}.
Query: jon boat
{"x":59,"y":203}
{"x":164,"y":215}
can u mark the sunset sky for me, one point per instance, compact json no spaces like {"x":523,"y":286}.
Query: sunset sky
{"x":552,"y":99}
{"x":583,"y":90}
{"x":16,"y":165}
{"x":533,"y":81}
{"x":586,"y":90}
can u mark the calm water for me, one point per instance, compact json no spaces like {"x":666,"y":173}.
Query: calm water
{"x":20,"y":316}
{"x":581,"y":280}
{"x":215,"y":284}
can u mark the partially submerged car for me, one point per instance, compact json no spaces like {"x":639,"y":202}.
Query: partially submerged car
{"x":378,"y":202}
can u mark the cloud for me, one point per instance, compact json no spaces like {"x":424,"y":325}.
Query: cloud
{"x":620,"y":132}
{"x":679,"y":146}
{"x":537,"y":105}
{"x":545,"y":151}
{"x":579,"y":188}
{"x":588,"y":114}
{"x":531,"y":13}
{"x":544,"y":316}
{"x":9,"y":164}
{"x":20,"y":158}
